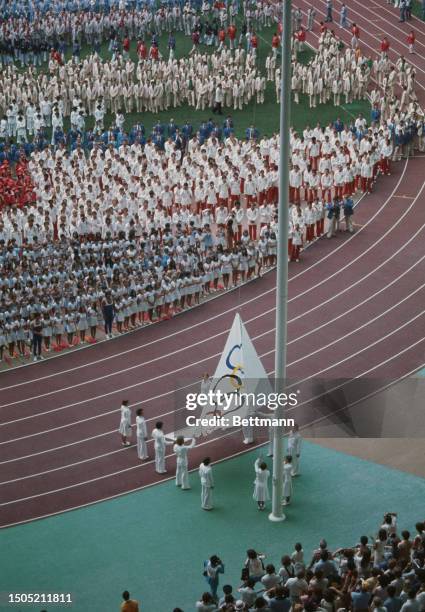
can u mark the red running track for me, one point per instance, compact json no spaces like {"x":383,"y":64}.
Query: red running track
{"x":356,"y":309}
{"x":375,"y":19}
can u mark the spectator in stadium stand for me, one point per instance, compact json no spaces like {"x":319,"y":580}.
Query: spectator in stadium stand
{"x":206,"y":603}
{"x":213,"y":567}
{"x":129,"y":605}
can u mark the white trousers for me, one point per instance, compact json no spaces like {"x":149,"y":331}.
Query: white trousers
{"x":248,"y":435}
{"x":160,"y":460}
{"x":182,"y":476}
{"x":295,"y":464}
{"x":206,"y":498}
{"x":142,"y":448}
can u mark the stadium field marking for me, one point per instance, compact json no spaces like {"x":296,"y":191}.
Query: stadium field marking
{"x":91,"y":480}
{"x":165,"y":355}
{"x":155,"y":418}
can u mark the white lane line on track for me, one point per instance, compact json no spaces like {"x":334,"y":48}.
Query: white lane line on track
{"x":362,"y":42}
{"x":165,"y":414}
{"x":323,"y":303}
{"x":113,"y":356}
{"x":260,"y":335}
{"x":188,"y":328}
{"x":91,"y":480}
{"x":203,"y":360}
{"x":164,"y":356}
{"x":265,"y":354}
{"x":183,"y":330}
{"x":156,"y":417}
{"x":242,"y":452}
{"x":395,"y":26}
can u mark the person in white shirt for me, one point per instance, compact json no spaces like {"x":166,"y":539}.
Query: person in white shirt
{"x":295,"y":181}
{"x":386,"y":154}
{"x":142,"y":435}
{"x":338,"y":182}
{"x":252,"y":214}
{"x":125,"y":423}
{"x":160,"y":444}
{"x":411,"y":604}
{"x":221,"y":216}
{"x":261,"y":491}
{"x":207,"y":484}
{"x":239,"y":215}
{"x":297,"y":241}
{"x":309,"y":217}
{"x":366,"y":174}
{"x":181,"y":451}
{"x":297,"y":586}
{"x":320,"y":217}
{"x":294,"y":449}
{"x":21,"y":132}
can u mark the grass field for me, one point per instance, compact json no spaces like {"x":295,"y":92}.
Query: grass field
{"x":264,"y":116}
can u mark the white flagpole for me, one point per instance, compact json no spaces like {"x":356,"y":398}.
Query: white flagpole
{"x":282,"y":261}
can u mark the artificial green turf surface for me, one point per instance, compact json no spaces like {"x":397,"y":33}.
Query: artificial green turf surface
{"x":264,"y":116}
{"x":154,"y":542}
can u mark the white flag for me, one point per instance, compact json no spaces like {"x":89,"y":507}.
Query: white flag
{"x":240,"y":377}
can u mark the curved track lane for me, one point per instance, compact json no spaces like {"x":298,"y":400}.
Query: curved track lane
{"x":356,"y":309}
